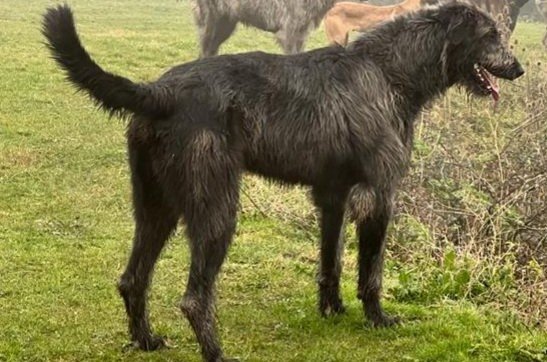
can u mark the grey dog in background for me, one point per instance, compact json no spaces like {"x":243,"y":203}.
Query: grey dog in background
{"x":333,"y":119}
{"x":289,"y":20}
{"x":542,"y":8}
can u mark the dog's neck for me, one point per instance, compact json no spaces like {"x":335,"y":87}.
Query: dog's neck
{"x":411,"y":61}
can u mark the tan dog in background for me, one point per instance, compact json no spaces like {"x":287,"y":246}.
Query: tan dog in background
{"x":345,"y":17}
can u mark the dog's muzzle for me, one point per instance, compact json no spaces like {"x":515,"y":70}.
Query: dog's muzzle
{"x":516,"y":71}
{"x":510,"y":71}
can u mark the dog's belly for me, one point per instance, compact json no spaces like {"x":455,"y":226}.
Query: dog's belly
{"x":283,"y":172}
{"x":298,"y":152}
{"x":303,"y":168}
{"x":260,"y":23}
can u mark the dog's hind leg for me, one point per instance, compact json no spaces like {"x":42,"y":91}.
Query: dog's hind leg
{"x":372,"y":242}
{"x":213,"y":32}
{"x":210,"y":215}
{"x":155,"y":221}
{"x":292,"y":42}
{"x":332,"y":207}
{"x":208,"y":253}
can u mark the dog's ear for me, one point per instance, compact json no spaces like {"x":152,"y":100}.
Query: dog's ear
{"x":460,"y":27}
{"x":463,"y":24}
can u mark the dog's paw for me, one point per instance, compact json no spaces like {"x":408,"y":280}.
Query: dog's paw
{"x":150,"y":343}
{"x":383,"y":320}
{"x":331,"y":307}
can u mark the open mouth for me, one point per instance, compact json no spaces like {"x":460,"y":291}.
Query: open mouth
{"x":486,"y":82}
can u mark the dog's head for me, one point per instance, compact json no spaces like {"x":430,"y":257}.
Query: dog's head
{"x":475,"y":50}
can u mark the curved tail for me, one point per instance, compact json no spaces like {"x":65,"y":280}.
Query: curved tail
{"x":117,"y":95}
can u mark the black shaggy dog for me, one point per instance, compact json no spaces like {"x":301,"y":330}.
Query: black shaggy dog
{"x":332,"y":118}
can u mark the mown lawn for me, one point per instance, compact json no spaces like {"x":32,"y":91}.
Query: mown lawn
{"x":66,"y":225}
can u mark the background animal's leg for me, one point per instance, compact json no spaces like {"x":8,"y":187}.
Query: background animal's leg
{"x":213,"y":32}
{"x":291,"y":42}
{"x":298,"y":42}
{"x":281,"y":37}
{"x":332,"y":243}
{"x":210,"y":215}
{"x":155,"y":222}
{"x":545,"y":40}
{"x":372,"y":238}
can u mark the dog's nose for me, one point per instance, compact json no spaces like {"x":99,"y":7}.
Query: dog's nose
{"x":517,"y":70}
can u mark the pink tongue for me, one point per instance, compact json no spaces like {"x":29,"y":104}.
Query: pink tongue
{"x":495,"y":90}
{"x":493,"y":83}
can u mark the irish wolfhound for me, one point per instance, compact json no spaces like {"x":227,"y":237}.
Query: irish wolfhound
{"x":332,"y":118}
{"x":289,"y":20}
{"x":345,"y":17}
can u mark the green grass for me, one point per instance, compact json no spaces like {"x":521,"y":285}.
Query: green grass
{"x":66,"y":225}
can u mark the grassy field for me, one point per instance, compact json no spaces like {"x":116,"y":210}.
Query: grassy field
{"x":66,"y":224}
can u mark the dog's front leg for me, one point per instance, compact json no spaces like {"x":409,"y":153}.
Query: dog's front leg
{"x":372,"y":238}
{"x":331,"y":206}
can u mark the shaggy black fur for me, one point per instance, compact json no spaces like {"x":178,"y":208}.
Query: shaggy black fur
{"x":333,"y":118}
